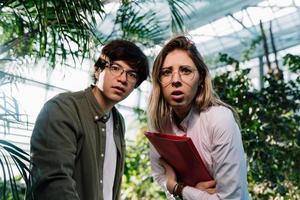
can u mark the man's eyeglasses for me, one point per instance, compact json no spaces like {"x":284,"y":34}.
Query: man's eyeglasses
{"x":117,"y":70}
{"x":186,"y":74}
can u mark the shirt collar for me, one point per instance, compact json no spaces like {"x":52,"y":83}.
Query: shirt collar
{"x":99,"y":114}
{"x":184,"y":124}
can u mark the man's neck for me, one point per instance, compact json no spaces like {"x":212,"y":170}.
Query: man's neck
{"x":104,"y":103}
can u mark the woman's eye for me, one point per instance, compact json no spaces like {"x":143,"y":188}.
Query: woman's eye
{"x":166,"y":72}
{"x":185,"y":71}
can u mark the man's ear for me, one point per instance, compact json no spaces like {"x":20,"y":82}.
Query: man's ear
{"x":97,"y":73}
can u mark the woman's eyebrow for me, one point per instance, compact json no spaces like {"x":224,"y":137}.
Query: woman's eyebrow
{"x":169,"y":67}
{"x":185,"y":66}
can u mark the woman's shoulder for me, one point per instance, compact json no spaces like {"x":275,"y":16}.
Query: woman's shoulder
{"x":220,"y":122}
{"x":217,"y":112}
{"x":217,"y":116}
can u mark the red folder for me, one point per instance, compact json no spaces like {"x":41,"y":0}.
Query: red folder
{"x":182,"y":155}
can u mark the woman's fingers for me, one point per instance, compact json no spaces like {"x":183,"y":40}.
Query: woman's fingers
{"x":211,"y":190}
{"x":206,"y":184}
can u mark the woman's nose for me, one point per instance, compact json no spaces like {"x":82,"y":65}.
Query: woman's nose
{"x":176,"y":77}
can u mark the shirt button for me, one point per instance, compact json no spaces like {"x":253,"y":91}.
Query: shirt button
{"x":103,"y":129}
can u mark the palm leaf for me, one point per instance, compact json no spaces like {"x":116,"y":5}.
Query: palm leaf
{"x":52,"y":28}
{"x":37,"y":20}
{"x":176,"y":8}
{"x":11,"y":153}
{"x":137,"y":27}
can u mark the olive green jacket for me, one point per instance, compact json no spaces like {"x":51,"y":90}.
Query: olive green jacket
{"x":68,"y":149}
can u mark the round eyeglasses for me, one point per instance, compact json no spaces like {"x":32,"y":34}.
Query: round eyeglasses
{"x":166,"y":74}
{"x":117,"y":70}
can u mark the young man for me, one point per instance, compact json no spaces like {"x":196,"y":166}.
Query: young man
{"x":77,"y":145}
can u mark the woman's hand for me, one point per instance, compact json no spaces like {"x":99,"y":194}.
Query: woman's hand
{"x":170,"y":175}
{"x":207,"y":186}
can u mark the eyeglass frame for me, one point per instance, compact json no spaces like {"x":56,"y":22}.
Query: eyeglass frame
{"x":103,"y":63}
{"x":173,"y":72}
{"x":122,"y":70}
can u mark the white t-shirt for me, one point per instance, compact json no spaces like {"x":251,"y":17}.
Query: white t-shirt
{"x":110,"y":161}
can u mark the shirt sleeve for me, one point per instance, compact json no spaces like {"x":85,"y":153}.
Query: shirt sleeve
{"x":158,"y":172}
{"x":53,"y":153}
{"x":229,"y":167}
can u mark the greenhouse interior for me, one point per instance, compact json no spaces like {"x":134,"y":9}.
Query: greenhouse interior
{"x":251,"y":48}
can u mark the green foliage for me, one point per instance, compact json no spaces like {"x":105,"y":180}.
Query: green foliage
{"x":270,"y":128}
{"x":248,"y":52}
{"x":9,"y":195}
{"x":141,"y":28}
{"x":48,"y":28}
{"x":10,"y":186}
{"x":176,"y":6}
{"x":137,"y":181}
{"x":57,"y":29}
{"x":293,"y":62}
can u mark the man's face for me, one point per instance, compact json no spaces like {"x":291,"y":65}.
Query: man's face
{"x":116,"y":82}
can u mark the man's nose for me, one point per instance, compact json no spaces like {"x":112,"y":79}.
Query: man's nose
{"x":123,"y":76}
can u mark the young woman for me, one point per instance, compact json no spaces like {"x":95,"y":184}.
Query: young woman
{"x":183,"y":102}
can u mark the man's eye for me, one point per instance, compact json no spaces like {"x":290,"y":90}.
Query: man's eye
{"x":166,"y":72}
{"x":115,"y":68}
{"x":132,"y":75}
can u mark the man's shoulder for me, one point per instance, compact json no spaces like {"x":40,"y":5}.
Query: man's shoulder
{"x":67,"y":99}
{"x":66,"y":95}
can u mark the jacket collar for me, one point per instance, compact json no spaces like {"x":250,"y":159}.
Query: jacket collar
{"x":99,"y":114}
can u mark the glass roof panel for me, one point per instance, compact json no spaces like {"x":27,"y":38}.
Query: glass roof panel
{"x":297,"y":2}
{"x":234,"y":32}
{"x":222,"y":27}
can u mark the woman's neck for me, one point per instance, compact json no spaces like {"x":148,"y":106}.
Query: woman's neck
{"x":180,"y":114}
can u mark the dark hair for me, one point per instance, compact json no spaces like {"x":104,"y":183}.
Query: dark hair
{"x":127,"y":52}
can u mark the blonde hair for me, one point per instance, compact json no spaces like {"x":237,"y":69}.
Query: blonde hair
{"x":158,"y":110}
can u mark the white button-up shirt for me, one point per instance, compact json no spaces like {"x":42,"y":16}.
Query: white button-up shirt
{"x":217,"y":138}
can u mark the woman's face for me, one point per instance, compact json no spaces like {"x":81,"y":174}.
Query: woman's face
{"x":179,"y":79}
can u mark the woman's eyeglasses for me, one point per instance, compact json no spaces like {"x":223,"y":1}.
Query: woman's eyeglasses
{"x":166,"y":74}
